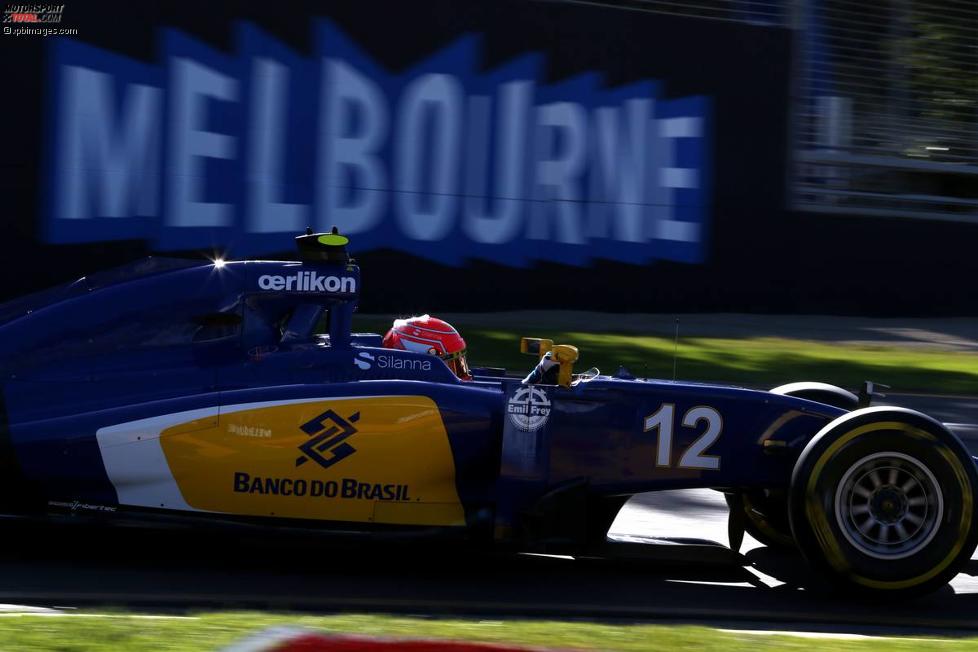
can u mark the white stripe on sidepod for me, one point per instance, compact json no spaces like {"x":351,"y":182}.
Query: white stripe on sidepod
{"x":135,"y":462}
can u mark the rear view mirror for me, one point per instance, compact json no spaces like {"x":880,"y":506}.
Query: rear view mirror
{"x":535,"y":346}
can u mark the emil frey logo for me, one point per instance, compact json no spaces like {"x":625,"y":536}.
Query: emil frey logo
{"x":446,"y":159}
{"x":328,"y":433}
{"x":308,"y":282}
{"x":528,"y":408}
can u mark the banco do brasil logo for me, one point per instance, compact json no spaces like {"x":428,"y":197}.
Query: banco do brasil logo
{"x":528,"y":408}
{"x":327,"y":443}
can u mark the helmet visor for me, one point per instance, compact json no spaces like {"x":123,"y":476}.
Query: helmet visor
{"x":457,"y":363}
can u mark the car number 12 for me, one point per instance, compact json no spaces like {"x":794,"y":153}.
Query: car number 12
{"x":694,"y":457}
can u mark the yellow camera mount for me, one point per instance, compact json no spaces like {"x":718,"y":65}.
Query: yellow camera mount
{"x":563,"y":354}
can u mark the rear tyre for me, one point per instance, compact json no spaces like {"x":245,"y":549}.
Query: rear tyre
{"x":765,"y":516}
{"x":882,"y":500}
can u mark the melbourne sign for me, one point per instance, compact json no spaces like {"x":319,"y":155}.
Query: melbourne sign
{"x":444,"y":158}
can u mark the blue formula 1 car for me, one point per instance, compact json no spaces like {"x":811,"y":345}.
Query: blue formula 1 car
{"x":236,"y":392}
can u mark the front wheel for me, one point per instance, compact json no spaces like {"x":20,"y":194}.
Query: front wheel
{"x":882,"y":499}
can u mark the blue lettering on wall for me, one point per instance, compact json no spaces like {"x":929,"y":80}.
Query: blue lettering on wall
{"x":443,"y":160}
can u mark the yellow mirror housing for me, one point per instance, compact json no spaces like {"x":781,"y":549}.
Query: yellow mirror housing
{"x":535,"y":346}
{"x":566,"y":355}
{"x":563,"y":354}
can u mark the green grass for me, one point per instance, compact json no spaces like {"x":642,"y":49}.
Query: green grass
{"x":212,"y":631}
{"x":753,"y":361}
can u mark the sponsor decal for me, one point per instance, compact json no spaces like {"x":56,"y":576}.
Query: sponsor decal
{"x":443,"y":158}
{"x":77,"y":505}
{"x":393,"y":362}
{"x":346,"y":488}
{"x":328,"y":434}
{"x":352,"y":459}
{"x":308,"y":282}
{"x":326,"y":446}
{"x":365,"y":361}
{"x":249,"y":431}
{"x":528,"y":408}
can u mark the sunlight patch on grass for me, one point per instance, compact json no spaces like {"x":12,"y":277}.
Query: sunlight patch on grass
{"x":750,"y":361}
{"x":212,"y":631}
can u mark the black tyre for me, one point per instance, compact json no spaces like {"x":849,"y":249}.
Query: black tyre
{"x":765,"y":516}
{"x":882,"y":500}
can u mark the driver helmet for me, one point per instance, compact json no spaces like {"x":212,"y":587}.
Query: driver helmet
{"x":427,"y":334}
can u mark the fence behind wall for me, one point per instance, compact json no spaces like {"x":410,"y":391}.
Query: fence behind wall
{"x":886,"y":108}
{"x":885,"y":101}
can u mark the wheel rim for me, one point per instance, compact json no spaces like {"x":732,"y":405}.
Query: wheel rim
{"x":889,"y":505}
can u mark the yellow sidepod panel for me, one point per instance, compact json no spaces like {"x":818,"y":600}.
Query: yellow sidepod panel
{"x":381,"y":459}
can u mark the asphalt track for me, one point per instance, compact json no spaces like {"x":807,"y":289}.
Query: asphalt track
{"x":187,"y":570}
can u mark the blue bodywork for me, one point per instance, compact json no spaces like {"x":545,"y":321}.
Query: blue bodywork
{"x":163,"y":336}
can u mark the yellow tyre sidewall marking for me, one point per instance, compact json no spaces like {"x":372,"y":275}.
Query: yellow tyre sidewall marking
{"x":401,"y":454}
{"x":823,"y":531}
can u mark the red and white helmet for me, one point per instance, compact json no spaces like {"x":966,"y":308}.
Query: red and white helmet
{"x":427,"y":334}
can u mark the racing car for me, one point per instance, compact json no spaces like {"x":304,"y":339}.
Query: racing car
{"x":238,"y":392}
